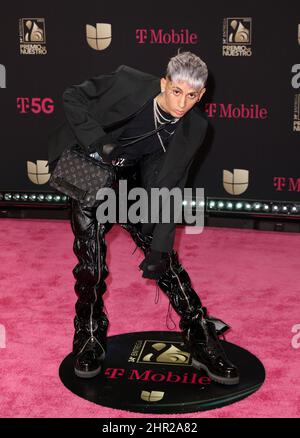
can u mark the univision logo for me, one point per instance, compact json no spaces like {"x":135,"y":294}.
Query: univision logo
{"x":99,"y":36}
{"x":152,"y":396}
{"x":38,"y":173}
{"x":237,"y":182}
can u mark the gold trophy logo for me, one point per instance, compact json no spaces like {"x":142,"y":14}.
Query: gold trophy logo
{"x":168,"y":354}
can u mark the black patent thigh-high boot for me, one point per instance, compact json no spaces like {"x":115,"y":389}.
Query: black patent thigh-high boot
{"x":200,"y":332}
{"x":90,"y":322}
{"x":142,"y":241}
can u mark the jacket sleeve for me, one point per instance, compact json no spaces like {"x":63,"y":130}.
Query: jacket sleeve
{"x":164,"y":233}
{"x":77,"y":101}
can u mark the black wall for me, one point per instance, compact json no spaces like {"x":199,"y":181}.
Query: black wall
{"x":268,"y":147}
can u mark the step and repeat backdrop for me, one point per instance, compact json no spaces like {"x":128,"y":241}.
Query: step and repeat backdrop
{"x":252,"y":49}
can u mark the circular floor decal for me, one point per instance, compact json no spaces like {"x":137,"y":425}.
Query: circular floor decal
{"x":151,"y":372}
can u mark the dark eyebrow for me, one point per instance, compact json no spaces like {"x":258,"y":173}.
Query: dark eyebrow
{"x":190,"y":92}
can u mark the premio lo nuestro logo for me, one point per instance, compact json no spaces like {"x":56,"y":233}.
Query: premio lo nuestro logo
{"x":32,"y":35}
{"x":158,"y":352}
{"x":237,"y":36}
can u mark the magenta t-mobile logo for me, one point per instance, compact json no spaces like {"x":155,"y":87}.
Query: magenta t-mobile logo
{"x":35,"y":105}
{"x":160,"y":36}
{"x":289,"y":184}
{"x":236,"y":111}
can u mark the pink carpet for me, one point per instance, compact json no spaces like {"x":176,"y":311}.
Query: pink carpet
{"x":250,"y":279}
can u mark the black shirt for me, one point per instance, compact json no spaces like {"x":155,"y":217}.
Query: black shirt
{"x":140,"y":124}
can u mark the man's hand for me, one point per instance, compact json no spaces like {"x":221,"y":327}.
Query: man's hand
{"x":110,"y":152}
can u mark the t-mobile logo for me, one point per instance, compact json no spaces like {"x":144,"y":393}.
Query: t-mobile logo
{"x":2,"y":76}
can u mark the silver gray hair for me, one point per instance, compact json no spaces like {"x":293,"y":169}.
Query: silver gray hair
{"x":188,"y":67}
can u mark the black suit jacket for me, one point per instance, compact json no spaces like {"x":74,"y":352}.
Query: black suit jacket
{"x":96,"y":112}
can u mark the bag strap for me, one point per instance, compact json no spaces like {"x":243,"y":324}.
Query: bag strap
{"x":143,"y":136}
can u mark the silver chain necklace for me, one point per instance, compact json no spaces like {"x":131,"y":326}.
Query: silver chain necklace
{"x":159,"y":118}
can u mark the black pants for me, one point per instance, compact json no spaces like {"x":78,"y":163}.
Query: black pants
{"x":91,"y":271}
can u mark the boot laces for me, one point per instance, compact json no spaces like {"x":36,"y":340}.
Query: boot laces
{"x":169,"y":317}
{"x":169,"y":311}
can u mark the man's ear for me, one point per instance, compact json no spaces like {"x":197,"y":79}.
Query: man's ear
{"x":201,"y":94}
{"x":163,"y":84}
